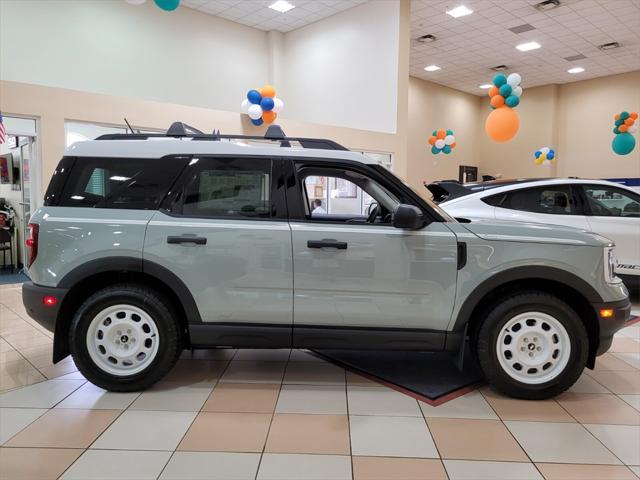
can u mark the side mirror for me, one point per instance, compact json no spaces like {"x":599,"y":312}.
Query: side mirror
{"x":407,"y":217}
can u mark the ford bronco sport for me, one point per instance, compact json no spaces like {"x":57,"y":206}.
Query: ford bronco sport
{"x":151,"y":243}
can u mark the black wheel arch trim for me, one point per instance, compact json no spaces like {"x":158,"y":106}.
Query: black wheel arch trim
{"x":537,"y":272}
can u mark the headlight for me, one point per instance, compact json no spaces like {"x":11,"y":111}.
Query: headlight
{"x":610,"y":263}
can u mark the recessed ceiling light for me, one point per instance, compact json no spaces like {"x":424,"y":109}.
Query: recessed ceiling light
{"x":432,"y":68}
{"x":576,"y":70}
{"x":609,"y":46}
{"x":426,"y":38}
{"x":525,"y":47}
{"x":547,"y":5}
{"x":281,"y":6}
{"x":499,"y":68}
{"x":486,"y":86}
{"x":460,"y":11}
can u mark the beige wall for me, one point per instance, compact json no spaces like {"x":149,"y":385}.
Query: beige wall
{"x":431,"y":107}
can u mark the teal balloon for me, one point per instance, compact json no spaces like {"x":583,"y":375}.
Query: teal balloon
{"x":447,"y":149}
{"x":449,"y":132}
{"x":499,"y":80}
{"x":624,"y":116}
{"x":615,"y":130}
{"x":167,"y":5}
{"x":434,"y":133}
{"x":512,"y":101}
{"x":435,"y":150}
{"x":505,"y":90}
{"x":623,"y":143}
{"x":619,"y":122}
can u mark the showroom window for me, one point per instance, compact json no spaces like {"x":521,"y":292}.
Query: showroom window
{"x":551,"y":199}
{"x":82,"y":131}
{"x":611,"y":202}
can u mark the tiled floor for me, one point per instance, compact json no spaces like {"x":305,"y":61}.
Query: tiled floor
{"x":281,"y":415}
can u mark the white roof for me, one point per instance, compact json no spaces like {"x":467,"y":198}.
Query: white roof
{"x":157,"y":147}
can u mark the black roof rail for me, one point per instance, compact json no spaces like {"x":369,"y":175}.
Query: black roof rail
{"x":274,"y":133}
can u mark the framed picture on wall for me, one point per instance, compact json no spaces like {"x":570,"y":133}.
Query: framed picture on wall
{"x":318,"y":191}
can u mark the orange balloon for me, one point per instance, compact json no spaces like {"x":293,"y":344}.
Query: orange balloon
{"x":432,"y":140}
{"x":623,"y":128}
{"x":441,"y":134}
{"x":497,"y":101}
{"x":629,"y":121}
{"x":502,"y":124}
{"x":493,"y":91}
{"x":634,"y":115}
{"x":453,"y":145}
{"x":269,"y":116}
{"x":268,"y":91}
{"x":617,"y":116}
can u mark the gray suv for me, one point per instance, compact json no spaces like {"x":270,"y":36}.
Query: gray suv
{"x":148,"y":244}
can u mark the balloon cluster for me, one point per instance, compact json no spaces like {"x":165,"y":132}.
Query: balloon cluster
{"x":262,"y":106}
{"x":442,"y":141}
{"x":503,"y":123}
{"x":544,"y":156}
{"x":625,"y":126}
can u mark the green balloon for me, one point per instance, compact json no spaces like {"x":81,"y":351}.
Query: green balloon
{"x":167,"y":5}
{"x":623,"y":143}
{"x":434,"y":133}
{"x":615,"y":130}
{"x":449,"y":132}
{"x":624,"y":116}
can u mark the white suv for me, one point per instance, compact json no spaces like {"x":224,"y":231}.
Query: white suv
{"x":607,"y":208}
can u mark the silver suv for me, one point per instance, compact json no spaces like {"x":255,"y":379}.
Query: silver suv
{"x":148,"y":244}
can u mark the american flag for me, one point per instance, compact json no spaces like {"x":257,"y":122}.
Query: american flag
{"x":2,"y":132}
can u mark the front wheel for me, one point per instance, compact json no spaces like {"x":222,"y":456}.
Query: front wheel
{"x":124,"y":338}
{"x":532,"y":346}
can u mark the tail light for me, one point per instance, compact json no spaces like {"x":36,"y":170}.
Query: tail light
{"x":32,"y":243}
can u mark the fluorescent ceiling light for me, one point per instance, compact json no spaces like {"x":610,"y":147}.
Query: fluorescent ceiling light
{"x":525,"y":47}
{"x":576,"y":70}
{"x":460,"y":11}
{"x":486,"y":86}
{"x":432,"y":68}
{"x":281,"y":6}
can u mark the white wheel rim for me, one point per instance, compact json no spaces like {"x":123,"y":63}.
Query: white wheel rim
{"x":122,"y":340}
{"x":533,"y":348}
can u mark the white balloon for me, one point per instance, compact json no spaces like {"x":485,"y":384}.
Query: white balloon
{"x":545,"y":150}
{"x":517,"y":91}
{"x":254,"y":111}
{"x":514,"y":79}
{"x":135,"y":2}
{"x":244,"y":106}
{"x":278,"y":105}
{"x":440,"y":143}
{"x":449,"y":139}
{"x":633,"y":128}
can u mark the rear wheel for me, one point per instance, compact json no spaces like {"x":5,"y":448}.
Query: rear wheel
{"x":124,"y":338}
{"x":532,"y":346}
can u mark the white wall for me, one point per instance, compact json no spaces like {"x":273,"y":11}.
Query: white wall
{"x":108,"y":46}
{"x":343,"y":70}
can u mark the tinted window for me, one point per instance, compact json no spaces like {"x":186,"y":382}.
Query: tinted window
{"x":611,"y":202}
{"x":226,"y":187}
{"x":495,"y":200}
{"x":551,"y":199}
{"x":132,"y":183}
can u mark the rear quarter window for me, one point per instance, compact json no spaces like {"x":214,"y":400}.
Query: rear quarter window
{"x":128,"y":183}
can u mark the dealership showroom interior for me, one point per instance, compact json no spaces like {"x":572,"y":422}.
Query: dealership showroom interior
{"x":320,"y":239}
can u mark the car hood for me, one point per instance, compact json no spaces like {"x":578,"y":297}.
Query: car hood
{"x":534,"y":232}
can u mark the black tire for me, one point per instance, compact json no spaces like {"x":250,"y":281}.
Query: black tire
{"x":497,"y":318}
{"x":169,"y":345}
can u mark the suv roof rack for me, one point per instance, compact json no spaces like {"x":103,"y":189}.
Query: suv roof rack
{"x":273,"y":133}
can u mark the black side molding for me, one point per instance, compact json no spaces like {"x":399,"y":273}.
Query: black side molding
{"x":462,"y":255}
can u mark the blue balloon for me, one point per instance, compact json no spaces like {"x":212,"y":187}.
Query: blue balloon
{"x":499,"y":80}
{"x":257,"y":122}
{"x":447,"y":149}
{"x":623,"y":143}
{"x":624,"y":115}
{"x":537,"y":154}
{"x":615,"y":130}
{"x":619,"y":122}
{"x":167,"y":5}
{"x":550,"y":155}
{"x":267,"y":104}
{"x":512,"y":101}
{"x":505,"y":90}
{"x":435,"y":150}
{"x":254,"y":96}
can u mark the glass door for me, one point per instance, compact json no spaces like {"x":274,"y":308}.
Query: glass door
{"x":26,"y":148}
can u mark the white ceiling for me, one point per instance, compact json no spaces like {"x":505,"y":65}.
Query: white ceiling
{"x":468,"y":46}
{"x":257,"y":14}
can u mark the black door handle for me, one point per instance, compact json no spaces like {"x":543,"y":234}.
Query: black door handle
{"x":175,"y":239}
{"x":327,"y":243}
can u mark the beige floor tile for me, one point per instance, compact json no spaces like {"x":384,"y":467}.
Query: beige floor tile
{"x":633,"y":400}
{"x":211,"y":466}
{"x":189,"y":372}
{"x":586,"y":384}
{"x":474,"y":440}
{"x":309,"y":373}
{"x":527,"y":410}
{"x":28,"y":340}
{"x":610,"y":362}
{"x":242,"y":397}
{"x":35,"y":463}
{"x":312,"y":399}
{"x":564,"y":471}
{"x":599,"y":408}
{"x":59,"y":370}
{"x":358,"y":380}
{"x":263,"y":354}
{"x":632,"y":359}
{"x":18,"y":373}
{"x":323,"y":434}
{"x":625,"y":345}
{"x":91,"y":397}
{"x":471,"y":405}
{"x":227,"y":432}
{"x":381,"y":401}
{"x":13,"y":420}
{"x":254,"y":372}
{"x":390,"y":468}
{"x":64,"y":428}
{"x":479,"y":470}
{"x":622,"y":440}
{"x":117,"y":465}
{"x":174,"y":397}
{"x":623,"y":383}
{"x":10,"y":355}
{"x":278,"y":466}
{"x":41,"y":395}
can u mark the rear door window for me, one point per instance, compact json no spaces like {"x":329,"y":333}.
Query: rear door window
{"x":549,"y":199}
{"x":605,"y":201}
{"x":129,"y":183}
